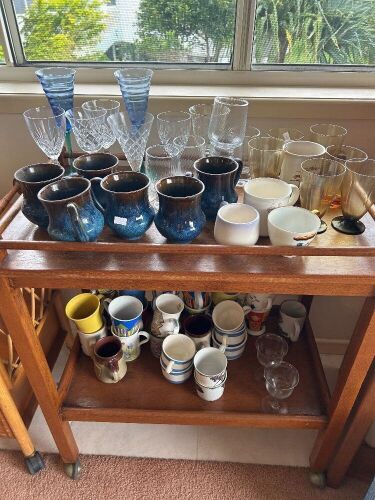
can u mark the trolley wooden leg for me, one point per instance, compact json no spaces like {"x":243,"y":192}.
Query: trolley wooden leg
{"x":16,"y":317}
{"x":356,"y":364}
{"x":360,"y":421}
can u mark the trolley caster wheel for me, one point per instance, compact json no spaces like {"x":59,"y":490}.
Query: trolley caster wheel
{"x":318,"y":479}
{"x":34,"y":463}
{"x":73,"y":470}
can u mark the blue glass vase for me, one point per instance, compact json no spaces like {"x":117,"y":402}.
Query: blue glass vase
{"x":135,"y":88}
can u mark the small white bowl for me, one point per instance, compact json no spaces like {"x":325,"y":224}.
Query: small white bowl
{"x":210,"y":393}
{"x":292,"y":226}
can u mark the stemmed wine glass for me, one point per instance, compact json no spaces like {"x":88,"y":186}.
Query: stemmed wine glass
{"x":172,"y":124}
{"x":188,"y":151}
{"x":227,"y":126}
{"x":111,"y":106}
{"x":271,"y":350}
{"x":281,"y":380}
{"x":87,"y":128}
{"x":47,"y":128}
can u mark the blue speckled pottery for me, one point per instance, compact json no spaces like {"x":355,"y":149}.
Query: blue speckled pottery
{"x":127,"y":209}
{"x":31,"y":180}
{"x":219,"y":176}
{"x":180,"y":218}
{"x":72,"y":213}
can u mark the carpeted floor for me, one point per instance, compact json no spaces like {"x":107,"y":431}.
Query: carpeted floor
{"x":112,"y":478}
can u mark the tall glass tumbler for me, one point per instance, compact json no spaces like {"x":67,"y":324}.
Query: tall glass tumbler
{"x":241,"y":154}
{"x":320,"y":181}
{"x":286,"y":133}
{"x":189,"y":152}
{"x":172,"y":124}
{"x":357,"y":196}
{"x":135,"y":88}
{"x":265,"y":157}
{"x":327,"y":134}
{"x":159,"y":163}
{"x":111,"y":107}
{"x":227,"y":129}
{"x":200,"y":119}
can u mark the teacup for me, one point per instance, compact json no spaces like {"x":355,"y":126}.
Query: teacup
{"x":85,"y":310}
{"x":131,"y":344}
{"x":265,"y":194}
{"x":210,"y":367}
{"x":31,"y":180}
{"x":294,"y":153}
{"x":199,"y":329}
{"x":237,"y":224}
{"x":177,"y":353}
{"x":88,"y":340}
{"x":292,"y":318}
{"x":109,"y":361}
{"x":231,"y":352}
{"x":126,"y":313}
{"x":292,"y":226}
{"x":210,"y":393}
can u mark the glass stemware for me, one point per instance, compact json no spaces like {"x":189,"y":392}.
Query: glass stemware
{"x":265,"y":156}
{"x":87,"y":127}
{"x":47,"y":128}
{"x":135,"y":88}
{"x":172,"y":124}
{"x":188,"y":152}
{"x":285,"y":133}
{"x":327,"y":134}
{"x":321,"y":179}
{"x":271,"y":349}
{"x":228,"y":121}
{"x":281,"y":380}
{"x":200,"y":120}
{"x":132,"y":138}
{"x":111,"y":106}
{"x":357,"y":196}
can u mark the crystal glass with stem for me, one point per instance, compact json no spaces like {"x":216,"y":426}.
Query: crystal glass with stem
{"x":188,"y":152}
{"x":111,"y":106}
{"x":271,"y":349}
{"x":285,"y":133}
{"x":159,"y":163}
{"x":132,"y":138}
{"x":265,"y":156}
{"x":47,"y":128}
{"x":281,"y":380}
{"x":58,"y":86}
{"x":327,"y":134}
{"x":87,"y":127}
{"x":321,"y":179}
{"x":172,"y":124}
{"x":135,"y":89}
{"x":357,"y":196}
{"x":227,"y":127}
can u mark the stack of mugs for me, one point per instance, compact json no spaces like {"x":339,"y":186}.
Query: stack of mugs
{"x":210,"y":373}
{"x":176,"y":358}
{"x":230,"y":333}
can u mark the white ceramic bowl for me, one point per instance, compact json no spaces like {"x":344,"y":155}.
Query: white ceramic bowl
{"x":292,"y":226}
{"x":231,"y":352}
{"x":210,"y":367}
{"x":210,"y":393}
{"x":237,"y":224}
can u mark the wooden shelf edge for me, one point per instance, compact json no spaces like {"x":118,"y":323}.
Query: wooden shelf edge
{"x":226,"y":419}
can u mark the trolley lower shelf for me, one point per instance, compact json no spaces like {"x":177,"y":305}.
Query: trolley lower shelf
{"x":144,"y":396}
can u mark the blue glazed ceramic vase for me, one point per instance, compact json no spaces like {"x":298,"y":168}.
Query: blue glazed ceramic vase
{"x":180,"y":218}
{"x":127,"y":209}
{"x":71,"y":210}
{"x":31,"y":180}
{"x":219,"y":176}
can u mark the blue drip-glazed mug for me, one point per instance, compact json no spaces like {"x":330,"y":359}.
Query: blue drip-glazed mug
{"x":127,"y":208}
{"x":219,"y":176}
{"x":180,"y":218}
{"x":72,"y":213}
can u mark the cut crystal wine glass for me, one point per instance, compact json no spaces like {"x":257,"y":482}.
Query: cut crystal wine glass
{"x":87,"y":128}
{"x":111,"y":106}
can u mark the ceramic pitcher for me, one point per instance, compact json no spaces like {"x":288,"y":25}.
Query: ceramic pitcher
{"x":109,"y":360}
{"x":72,"y":213}
{"x":127,"y":209}
{"x":31,"y":180}
{"x":219,"y":176}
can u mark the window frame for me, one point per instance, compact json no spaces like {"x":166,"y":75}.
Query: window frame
{"x":240,"y":71}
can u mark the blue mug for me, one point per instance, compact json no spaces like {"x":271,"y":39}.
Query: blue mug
{"x":126,"y":313}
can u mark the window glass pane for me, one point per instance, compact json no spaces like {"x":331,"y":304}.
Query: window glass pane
{"x":168,"y":31}
{"x":325,"y":32}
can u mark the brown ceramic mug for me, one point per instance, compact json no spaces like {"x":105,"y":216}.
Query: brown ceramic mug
{"x":109,"y":361}
{"x":95,"y":165}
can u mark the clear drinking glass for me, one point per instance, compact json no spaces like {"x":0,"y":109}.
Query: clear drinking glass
{"x":357,"y":196}
{"x":87,"y":127}
{"x":132,"y":138}
{"x":281,"y":380}
{"x":200,"y":119}
{"x":135,"y":88}
{"x":271,"y":349}
{"x":188,"y":152}
{"x":111,"y":106}
{"x":47,"y":128}
{"x":159,"y":164}
{"x":265,"y":156}
{"x":172,"y":124}
{"x":327,"y":134}
{"x":285,"y":133}
{"x":321,"y":179}
{"x":227,"y":127}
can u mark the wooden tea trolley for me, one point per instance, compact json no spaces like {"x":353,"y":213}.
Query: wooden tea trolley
{"x":333,"y":264}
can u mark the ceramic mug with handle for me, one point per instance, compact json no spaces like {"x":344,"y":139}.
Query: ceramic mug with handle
{"x":131,"y":344}
{"x":109,"y":361}
{"x":292,"y":318}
